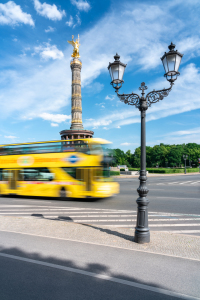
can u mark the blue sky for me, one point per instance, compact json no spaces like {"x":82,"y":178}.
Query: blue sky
{"x":35,"y":76}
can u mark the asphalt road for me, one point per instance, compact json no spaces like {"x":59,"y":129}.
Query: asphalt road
{"x":61,"y":269}
{"x":174,"y":205}
{"x":39,"y":267}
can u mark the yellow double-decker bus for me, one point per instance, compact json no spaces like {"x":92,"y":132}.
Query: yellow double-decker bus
{"x":65,"y":169}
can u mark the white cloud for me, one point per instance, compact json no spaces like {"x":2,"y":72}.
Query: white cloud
{"x":100,"y":104}
{"x":54,"y":124}
{"x":70,"y":22}
{"x":126,"y":144}
{"x":101,"y":123}
{"x":11,"y":14}
{"x":15,"y":40}
{"x":94,"y":88}
{"x":78,"y":19}
{"x":81,"y":4}
{"x":10,"y":137}
{"x":118,"y":127}
{"x":185,"y":132}
{"x":181,"y":137}
{"x":47,"y":51}
{"x":50,"y":29}
{"x":58,"y":118}
{"x":49,"y":11}
{"x":110,"y":97}
{"x":31,"y":90}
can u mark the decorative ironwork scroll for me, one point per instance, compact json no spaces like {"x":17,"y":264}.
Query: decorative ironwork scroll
{"x":151,"y":97}
{"x":130,"y":99}
{"x":156,"y":96}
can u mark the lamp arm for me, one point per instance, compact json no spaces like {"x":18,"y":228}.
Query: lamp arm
{"x":155,"y":96}
{"x":130,"y":99}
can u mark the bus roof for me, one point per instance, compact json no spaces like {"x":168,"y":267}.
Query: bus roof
{"x":89,"y":141}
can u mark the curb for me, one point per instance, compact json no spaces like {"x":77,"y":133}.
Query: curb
{"x":155,"y":175}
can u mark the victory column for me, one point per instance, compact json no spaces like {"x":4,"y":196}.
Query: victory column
{"x":76,"y":130}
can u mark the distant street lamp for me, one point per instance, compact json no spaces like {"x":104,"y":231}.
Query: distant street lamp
{"x":199,"y":165}
{"x":190,"y":162}
{"x":185,"y":158}
{"x":171,"y":62}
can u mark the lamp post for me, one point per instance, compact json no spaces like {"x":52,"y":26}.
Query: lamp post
{"x":185,"y":158}
{"x":171,"y":62}
{"x":190,"y":162}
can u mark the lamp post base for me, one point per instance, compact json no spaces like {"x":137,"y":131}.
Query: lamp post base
{"x":141,"y":237}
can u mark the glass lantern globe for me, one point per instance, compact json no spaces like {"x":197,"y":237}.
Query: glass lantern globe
{"x":116,"y":70}
{"x":171,"y":62}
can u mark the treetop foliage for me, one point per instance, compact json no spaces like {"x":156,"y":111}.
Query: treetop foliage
{"x":160,"y":155}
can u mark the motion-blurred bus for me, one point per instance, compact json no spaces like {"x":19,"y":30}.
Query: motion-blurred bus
{"x":65,"y":169}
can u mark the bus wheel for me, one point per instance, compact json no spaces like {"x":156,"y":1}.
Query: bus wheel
{"x":63,"y":194}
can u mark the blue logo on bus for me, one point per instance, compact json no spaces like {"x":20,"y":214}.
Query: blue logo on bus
{"x":73,"y":159}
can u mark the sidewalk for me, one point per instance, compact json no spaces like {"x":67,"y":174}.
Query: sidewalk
{"x":165,"y":243}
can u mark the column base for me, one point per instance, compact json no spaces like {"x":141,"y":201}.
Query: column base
{"x":76,"y":134}
{"x":142,"y":237}
{"x":76,"y":127}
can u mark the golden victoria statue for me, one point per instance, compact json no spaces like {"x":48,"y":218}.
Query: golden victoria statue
{"x":76,"y":45}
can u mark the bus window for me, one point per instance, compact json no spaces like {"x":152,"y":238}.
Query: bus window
{"x":70,"y":171}
{"x":96,"y":150}
{"x":76,"y":173}
{"x":1,"y":170}
{"x":5,"y":175}
{"x":36,"y":174}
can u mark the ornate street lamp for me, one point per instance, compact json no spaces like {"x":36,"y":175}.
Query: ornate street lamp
{"x":171,"y":62}
{"x":116,"y":70}
{"x":185,"y":158}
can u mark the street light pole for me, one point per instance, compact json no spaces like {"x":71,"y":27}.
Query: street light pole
{"x":185,"y":157}
{"x":142,"y":233}
{"x":171,"y":61}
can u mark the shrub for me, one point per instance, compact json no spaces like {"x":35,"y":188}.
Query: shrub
{"x":167,"y":170}
{"x":114,"y":173}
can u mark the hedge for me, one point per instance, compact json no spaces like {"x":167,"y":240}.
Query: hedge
{"x":167,"y":171}
{"x":114,"y":173}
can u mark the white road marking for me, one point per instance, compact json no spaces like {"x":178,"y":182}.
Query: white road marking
{"x":179,"y":198}
{"x":183,"y":231}
{"x":195,"y":182}
{"x":100,"y":276}
{"x":59,"y":209}
{"x":185,"y":182}
{"x":19,"y":206}
{"x":166,"y":225}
